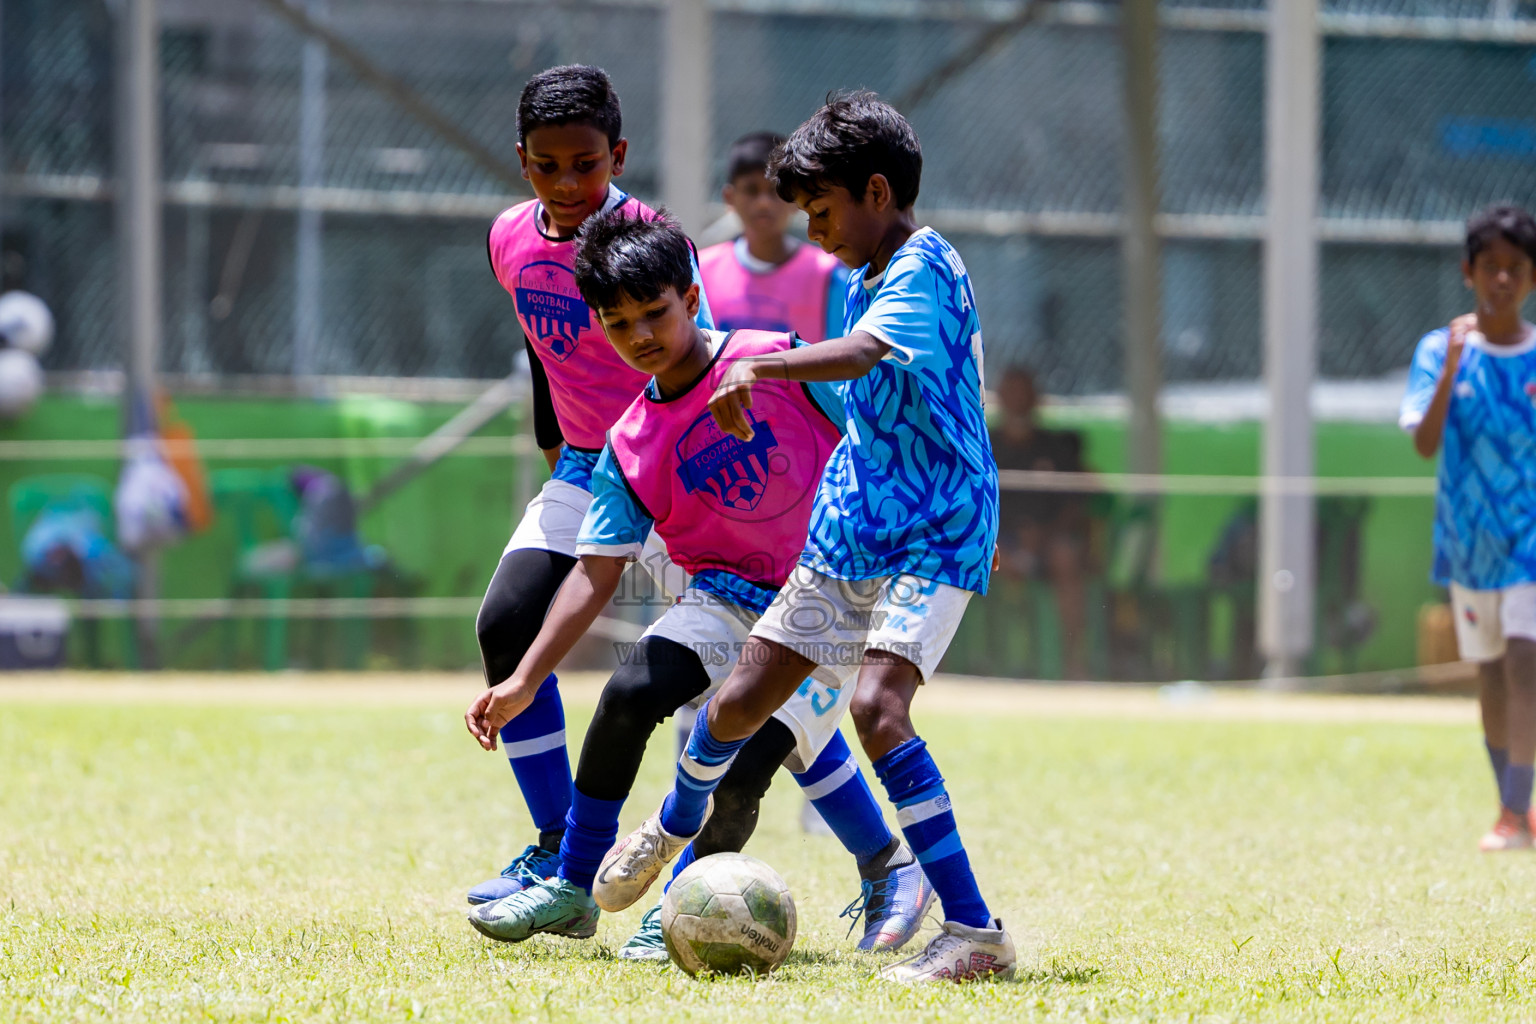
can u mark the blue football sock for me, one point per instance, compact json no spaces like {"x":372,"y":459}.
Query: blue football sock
{"x":534,"y":743}
{"x":915,"y":786}
{"x":1498,"y":757}
{"x":837,"y":789}
{"x":1517,"y":787}
{"x":683,"y":860}
{"x":590,"y":830}
{"x":699,"y":772}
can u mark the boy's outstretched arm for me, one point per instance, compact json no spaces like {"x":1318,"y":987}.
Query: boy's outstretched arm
{"x":580,"y":600}
{"x":1430,"y":430}
{"x":839,"y":359}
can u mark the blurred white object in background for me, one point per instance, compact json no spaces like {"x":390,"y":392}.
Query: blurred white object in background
{"x":151,"y":500}
{"x":26,"y":322}
{"x":21,"y":382}
{"x":32,"y":631}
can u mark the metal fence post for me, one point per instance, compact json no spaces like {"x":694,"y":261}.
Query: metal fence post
{"x":1287,"y":524}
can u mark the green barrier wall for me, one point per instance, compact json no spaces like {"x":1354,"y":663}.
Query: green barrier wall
{"x":446,"y":529}
{"x":1396,"y":555}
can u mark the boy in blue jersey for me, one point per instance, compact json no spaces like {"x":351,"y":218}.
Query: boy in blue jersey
{"x":1472,"y":397}
{"x":903,"y":528}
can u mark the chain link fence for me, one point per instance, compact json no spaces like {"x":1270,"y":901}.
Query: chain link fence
{"x":1429,"y":112}
{"x":1022,"y":150}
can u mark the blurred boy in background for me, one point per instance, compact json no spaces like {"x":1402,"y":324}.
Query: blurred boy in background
{"x":1472,"y":398}
{"x":768,"y":280}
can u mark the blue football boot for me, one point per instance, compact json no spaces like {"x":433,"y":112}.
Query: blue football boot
{"x":532,"y":865}
{"x":893,"y":898}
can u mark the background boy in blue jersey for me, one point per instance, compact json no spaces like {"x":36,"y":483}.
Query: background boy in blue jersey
{"x":903,"y":528}
{"x":1472,"y":397}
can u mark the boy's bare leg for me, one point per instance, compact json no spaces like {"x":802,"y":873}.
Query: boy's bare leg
{"x":1518,"y":714}
{"x":766,"y":675}
{"x":1520,"y":700}
{"x":1492,"y":701}
{"x":972,"y":943}
{"x":882,"y":705}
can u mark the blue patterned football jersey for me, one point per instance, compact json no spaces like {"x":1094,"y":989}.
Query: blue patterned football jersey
{"x":1485,"y":508}
{"x":912,"y":488}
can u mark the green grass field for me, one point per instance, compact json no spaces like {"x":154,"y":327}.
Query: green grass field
{"x":293,"y":854}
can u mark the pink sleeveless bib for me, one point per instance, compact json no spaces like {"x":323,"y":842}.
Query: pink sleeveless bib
{"x":793,"y":297}
{"x":721,"y":503}
{"x":589,"y":384}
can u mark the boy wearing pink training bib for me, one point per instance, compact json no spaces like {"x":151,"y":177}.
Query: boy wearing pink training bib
{"x":571,"y":148}
{"x":734,"y":515}
{"x":766,"y":279}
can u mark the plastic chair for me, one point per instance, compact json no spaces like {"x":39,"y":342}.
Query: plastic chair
{"x":270,"y":564}
{"x":261,"y":505}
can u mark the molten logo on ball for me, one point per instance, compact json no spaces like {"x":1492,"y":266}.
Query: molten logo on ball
{"x":728,"y":914}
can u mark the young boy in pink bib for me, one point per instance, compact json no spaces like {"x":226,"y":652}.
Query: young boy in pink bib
{"x":734,"y":515}
{"x":766,"y":279}
{"x":571,"y":147}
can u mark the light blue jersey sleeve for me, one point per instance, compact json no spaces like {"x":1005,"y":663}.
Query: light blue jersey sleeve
{"x":837,"y":300}
{"x":828,"y":396}
{"x":705,"y":318}
{"x":615,"y":524}
{"x":1423,"y":377}
{"x":905,"y":315}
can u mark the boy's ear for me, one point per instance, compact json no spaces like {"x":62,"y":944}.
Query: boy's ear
{"x":691,"y":299}
{"x":1466,"y":273}
{"x":879,"y":192}
{"x":522,"y":160}
{"x":619,"y":152}
{"x":728,"y":194}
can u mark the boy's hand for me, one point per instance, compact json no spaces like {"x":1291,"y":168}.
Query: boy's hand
{"x":1460,"y":328}
{"x":496,"y":707}
{"x":732,"y":399}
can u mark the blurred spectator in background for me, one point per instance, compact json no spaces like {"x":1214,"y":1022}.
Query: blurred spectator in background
{"x":66,"y":550}
{"x":326,"y":526}
{"x":1043,"y":534}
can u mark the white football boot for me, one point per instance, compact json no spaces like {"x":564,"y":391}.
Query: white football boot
{"x":628,"y":869}
{"x":958,"y":953}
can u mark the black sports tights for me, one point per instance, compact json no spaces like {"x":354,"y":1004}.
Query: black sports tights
{"x":514,"y":607}
{"x":660,"y":676}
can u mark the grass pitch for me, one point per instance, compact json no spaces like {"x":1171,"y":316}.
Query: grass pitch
{"x":290,"y":852}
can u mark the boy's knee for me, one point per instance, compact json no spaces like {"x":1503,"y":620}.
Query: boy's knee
{"x":633,"y":695}
{"x":877,"y":713}
{"x":732,"y":716}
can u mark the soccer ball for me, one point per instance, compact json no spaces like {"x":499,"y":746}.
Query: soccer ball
{"x":729,"y":914}
{"x":21,"y":382}
{"x":26,"y":322}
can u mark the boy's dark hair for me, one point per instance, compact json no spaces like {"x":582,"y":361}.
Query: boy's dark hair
{"x":570,"y":94}
{"x":619,"y":255}
{"x":750,"y":154}
{"x":1511,"y":223}
{"x":854,"y":136}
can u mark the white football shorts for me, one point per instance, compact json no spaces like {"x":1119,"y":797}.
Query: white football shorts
{"x":1486,"y":619}
{"x":832,"y":622}
{"x":716,"y":630}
